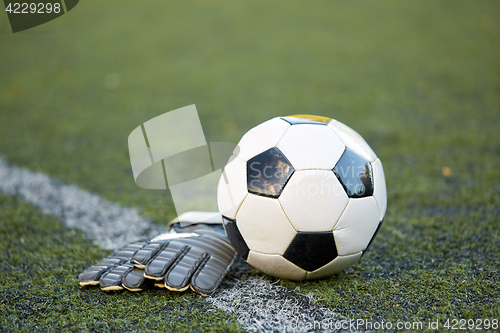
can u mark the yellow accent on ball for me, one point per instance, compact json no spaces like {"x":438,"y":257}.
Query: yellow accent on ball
{"x":311,"y":117}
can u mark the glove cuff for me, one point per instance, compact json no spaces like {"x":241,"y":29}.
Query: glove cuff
{"x":190,"y":218}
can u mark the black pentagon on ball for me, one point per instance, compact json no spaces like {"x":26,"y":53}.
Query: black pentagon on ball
{"x":355,"y":174}
{"x":234,"y":235}
{"x":311,"y":250}
{"x":268,"y":173}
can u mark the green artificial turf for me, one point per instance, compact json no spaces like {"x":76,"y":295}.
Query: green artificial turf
{"x":419,"y":80}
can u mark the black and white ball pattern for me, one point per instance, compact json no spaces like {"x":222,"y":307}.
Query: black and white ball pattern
{"x":302,"y":197}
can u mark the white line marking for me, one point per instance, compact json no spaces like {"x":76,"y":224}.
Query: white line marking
{"x":262,"y":306}
{"x":258,"y":304}
{"x":108,"y":224}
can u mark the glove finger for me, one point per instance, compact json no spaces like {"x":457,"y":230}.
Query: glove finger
{"x":210,"y":274}
{"x":159,"y":265}
{"x":142,"y":256}
{"x":179,"y":275}
{"x":134,"y":280}
{"x":92,"y":275}
{"x":112,"y":280}
{"x":203,"y":249}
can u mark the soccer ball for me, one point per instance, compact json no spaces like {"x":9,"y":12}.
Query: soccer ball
{"x":302,"y":197}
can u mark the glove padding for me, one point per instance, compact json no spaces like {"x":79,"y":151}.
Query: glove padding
{"x":196,"y":256}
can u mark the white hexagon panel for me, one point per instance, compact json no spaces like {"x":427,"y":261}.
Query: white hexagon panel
{"x":310,"y":146}
{"x":356,"y":226}
{"x":263,"y":225}
{"x":276,"y":265}
{"x":313,"y":200}
{"x":232,"y":188}
{"x":353,"y":140}
{"x":261,"y":138}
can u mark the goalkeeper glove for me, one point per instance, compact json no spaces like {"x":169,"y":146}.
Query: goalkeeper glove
{"x":196,"y":255}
